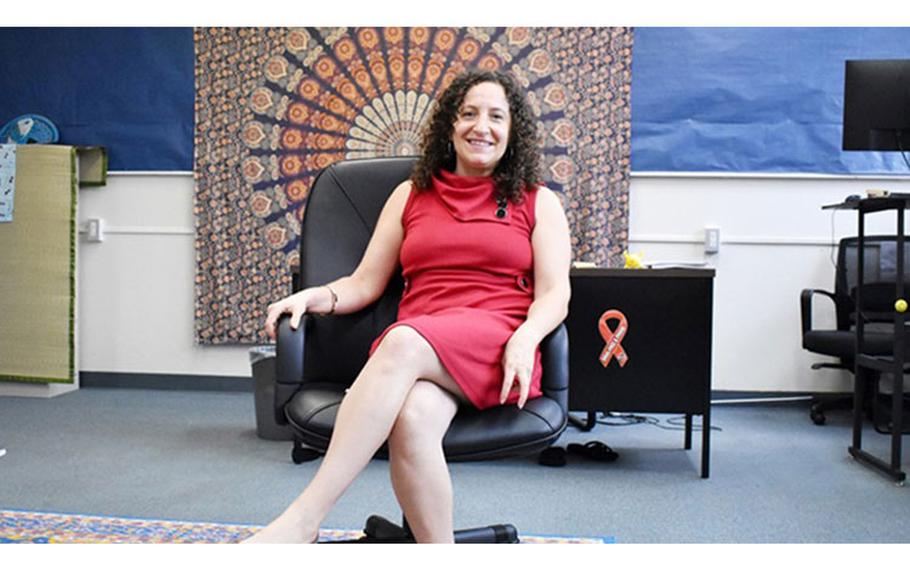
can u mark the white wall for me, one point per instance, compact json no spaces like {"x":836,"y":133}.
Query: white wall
{"x":136,"y":288}
{"x":775,"y":241}
{"x":136,"y":297}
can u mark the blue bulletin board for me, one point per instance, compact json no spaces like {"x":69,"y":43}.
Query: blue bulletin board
{"x":751,"y":99}
{"x":129,"y":89}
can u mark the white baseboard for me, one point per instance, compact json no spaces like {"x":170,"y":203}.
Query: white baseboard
{"x":37,"y":390}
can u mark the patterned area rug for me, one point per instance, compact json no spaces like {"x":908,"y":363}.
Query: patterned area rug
{"x":56,"y":528}
{"x":274,"y":106}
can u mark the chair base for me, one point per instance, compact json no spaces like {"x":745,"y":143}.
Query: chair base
{"x":379,"y":530}
{"x":880,"y":414}
{"x":820,"y":405}
{"x":877,"y":409}
{"x":300,"y":454}
{"x":823,"y":403}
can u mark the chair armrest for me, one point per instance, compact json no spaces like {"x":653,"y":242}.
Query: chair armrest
{"x":554,"y":357}
{"x":805,"y":304}
{"x":288,"y":363}
{"x":289,"y":350}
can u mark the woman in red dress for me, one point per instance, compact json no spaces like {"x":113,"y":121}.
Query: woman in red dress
{"x":485,"y":253}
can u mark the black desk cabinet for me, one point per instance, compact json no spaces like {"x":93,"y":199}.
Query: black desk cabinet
{"x":667,"y":343}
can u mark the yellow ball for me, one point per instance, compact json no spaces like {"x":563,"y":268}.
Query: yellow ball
{"x":900,"y":306}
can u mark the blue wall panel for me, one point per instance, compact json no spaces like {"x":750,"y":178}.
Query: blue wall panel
{"x":751,"y":99}
{"x":703,"y":99}
{"x":129,"y":89}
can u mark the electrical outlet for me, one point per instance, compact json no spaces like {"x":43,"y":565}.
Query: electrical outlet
{"x":712,"y":240}
{"x":94,"y":230}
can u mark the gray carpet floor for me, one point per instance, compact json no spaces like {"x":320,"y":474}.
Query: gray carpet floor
{"x":185,"y":455}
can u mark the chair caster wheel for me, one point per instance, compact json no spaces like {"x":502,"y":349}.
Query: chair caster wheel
{"x":300,"y":455}
{"x":817,"y":416}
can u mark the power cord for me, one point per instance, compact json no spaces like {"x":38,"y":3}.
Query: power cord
{"x":673,"y":423}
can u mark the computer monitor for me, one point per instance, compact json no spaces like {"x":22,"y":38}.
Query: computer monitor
{"x":877,"y":105}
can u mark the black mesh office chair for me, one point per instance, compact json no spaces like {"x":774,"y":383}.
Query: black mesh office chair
{"x":880,"y":273}
{"x":316,"y":363}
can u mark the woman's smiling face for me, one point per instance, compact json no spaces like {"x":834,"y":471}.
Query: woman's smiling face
{"x":480,"y":134}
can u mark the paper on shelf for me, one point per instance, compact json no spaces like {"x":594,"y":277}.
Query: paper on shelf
{"x":7,"y":181}
{"x":677,"y":264}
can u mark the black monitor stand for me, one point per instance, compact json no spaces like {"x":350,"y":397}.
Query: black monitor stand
{"x":868,"y":366}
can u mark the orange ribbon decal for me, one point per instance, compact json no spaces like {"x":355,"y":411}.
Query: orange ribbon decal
{"x":613,"y":338}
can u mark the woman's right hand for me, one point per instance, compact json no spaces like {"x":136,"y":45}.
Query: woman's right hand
{"x":295,"y":304}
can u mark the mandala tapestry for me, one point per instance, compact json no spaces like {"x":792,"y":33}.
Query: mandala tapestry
{"x":275,"y":106}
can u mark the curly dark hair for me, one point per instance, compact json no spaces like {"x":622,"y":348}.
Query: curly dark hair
{"x":519,"y":168}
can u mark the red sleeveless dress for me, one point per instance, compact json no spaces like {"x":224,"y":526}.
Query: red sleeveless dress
{"x":468,"y":280}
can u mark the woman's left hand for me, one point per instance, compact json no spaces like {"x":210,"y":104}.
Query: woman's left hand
{"x":517,"y":365}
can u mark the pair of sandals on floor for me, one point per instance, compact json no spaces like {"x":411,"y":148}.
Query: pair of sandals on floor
{"x":557,"y":456}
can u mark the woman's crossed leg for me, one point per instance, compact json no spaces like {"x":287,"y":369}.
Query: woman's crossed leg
{"x":366,"y":417}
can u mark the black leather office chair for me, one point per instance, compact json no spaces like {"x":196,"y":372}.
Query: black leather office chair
{"x":316,"y":363}
{"x":880,"y":273}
